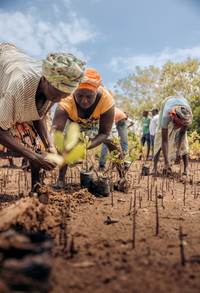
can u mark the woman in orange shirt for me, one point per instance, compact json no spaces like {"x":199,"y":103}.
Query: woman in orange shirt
{"x":92,"y":107}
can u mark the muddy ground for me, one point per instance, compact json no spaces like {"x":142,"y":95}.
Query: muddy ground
{"x":93,"y":246}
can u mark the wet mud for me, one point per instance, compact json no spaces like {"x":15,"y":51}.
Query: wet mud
{"x":92,"y":248}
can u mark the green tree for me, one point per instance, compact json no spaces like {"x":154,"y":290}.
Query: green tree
{"x":183,"y":79}
{"x":138,"y":91}
{"x":147,"y":89}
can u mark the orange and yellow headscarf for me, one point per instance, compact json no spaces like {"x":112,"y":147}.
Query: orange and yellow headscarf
{"x":91,"y":81}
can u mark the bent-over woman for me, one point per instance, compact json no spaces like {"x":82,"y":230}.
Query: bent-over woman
{"x":28,"y":89}
{"x":92,"y":107}
{"x":171,"y":134}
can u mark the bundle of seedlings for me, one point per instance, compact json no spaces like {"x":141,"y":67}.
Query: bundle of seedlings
{"x":69,"y":147}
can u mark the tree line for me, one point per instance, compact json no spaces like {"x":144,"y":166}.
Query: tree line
{"x":147,"y":88}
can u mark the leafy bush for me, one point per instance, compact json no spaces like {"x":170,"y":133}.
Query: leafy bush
{"x":194,"y":145}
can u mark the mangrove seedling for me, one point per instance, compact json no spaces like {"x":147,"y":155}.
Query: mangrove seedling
{"x":87,"y":143}
{"x":68,"y":146}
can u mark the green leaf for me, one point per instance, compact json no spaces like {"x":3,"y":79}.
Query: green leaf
{"x":59,"y":141}
{"x":91,"y":168}
{"x":89,"y":144}
{"x":72,"y":136}
{"x":76,"y":153}
{"x":107,"y":157}
{"x":72,"y":165}
{"x":97,"y":156}
{"x":133,"y":153}
{"x":128,"y":158}
{"x":56,"y":158}
{"x":116,"y":153}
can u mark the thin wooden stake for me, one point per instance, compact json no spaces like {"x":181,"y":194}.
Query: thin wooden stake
{"x":71,"y":176}
{"x":19,"y":184}
{"x":184,"y":192}
{"x":60,"y":237}
{"x":157,"y":219}
{"x":181,"y":246}
{"x":130,"y":207}
{"x":140,"y":200}
{"x":151,"y":192}
{"x":134,"y":212}
{"x":134,"y":199}
{"x":4,"y":179}
{"x":112,"y":199}
{"x":72,"y":247}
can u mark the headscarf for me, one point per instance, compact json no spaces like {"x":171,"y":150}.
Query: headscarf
{"x":181,"y":116}
{"x":91,"y":81}
{"x":64,"y":71}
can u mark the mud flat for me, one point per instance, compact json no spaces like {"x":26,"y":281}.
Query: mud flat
{"x":92,"y":248}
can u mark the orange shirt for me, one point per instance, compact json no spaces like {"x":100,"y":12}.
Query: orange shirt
{"x":119,"y":115}
{"x":104,"y":104}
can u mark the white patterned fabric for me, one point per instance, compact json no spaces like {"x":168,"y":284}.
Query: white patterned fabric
{"x":19,"y":79}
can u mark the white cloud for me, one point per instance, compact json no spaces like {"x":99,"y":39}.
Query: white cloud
{"x":56,"y":10}
{"x":67,"y":3}
{"x":128,"y":64}
{"x":37,"y":37}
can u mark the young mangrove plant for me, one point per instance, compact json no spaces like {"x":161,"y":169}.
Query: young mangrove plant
{"x":69,"y":147}
{"x":86,"y":143}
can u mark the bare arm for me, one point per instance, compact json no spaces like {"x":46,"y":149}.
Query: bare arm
{"x":42,"y":129}
{"x":11,"y":143}
{"x":131,"y":124}
{"x":106,"y":122}
{"x":181,"y":137}
{"x":59,"y":121}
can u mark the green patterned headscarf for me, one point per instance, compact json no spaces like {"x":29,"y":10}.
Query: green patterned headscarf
{"x":64,"y":71}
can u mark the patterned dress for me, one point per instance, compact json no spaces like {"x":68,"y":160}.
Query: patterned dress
{"x":172,"y":137}
{"x":19,"y":79}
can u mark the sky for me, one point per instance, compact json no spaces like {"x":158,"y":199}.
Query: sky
{"x":112,"y":36}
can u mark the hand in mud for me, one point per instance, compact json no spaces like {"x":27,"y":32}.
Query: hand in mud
{"x":42,"y":161}
{"x":167,"y":169}
{"x":177,"y":159}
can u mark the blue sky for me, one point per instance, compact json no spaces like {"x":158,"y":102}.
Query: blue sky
{"x":112,"y":36}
